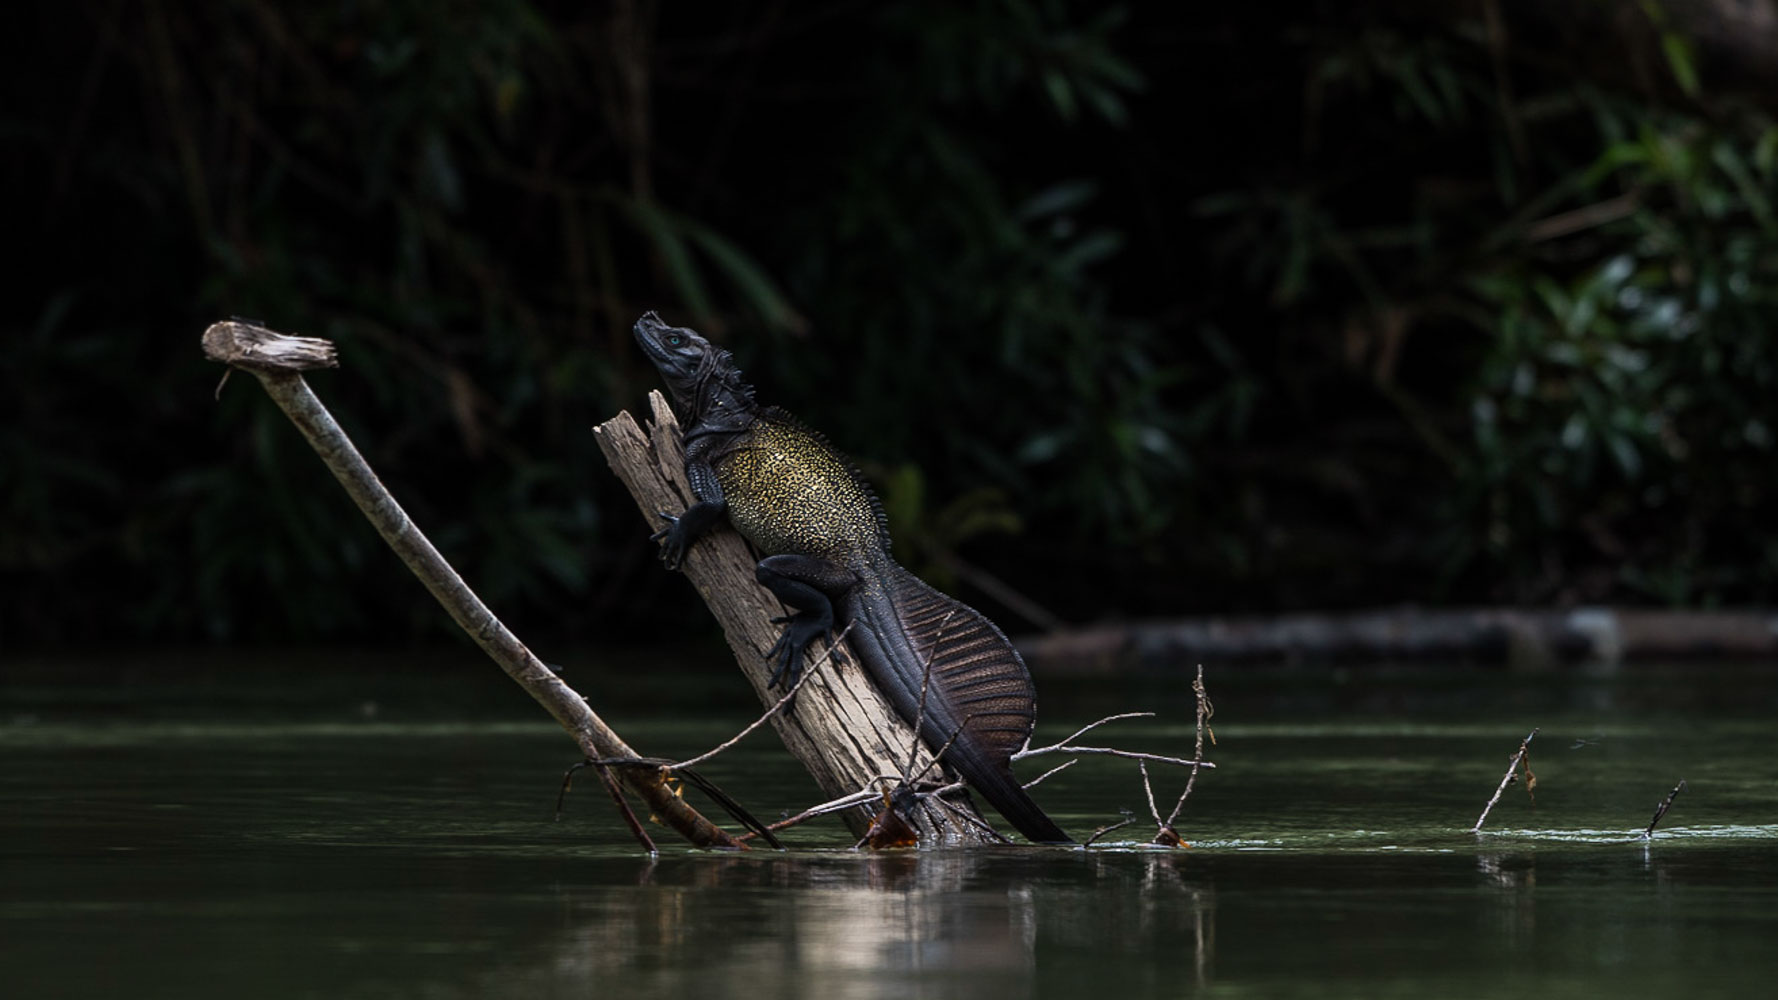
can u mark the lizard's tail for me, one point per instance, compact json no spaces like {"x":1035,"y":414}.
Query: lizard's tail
{"x":978,"y":696}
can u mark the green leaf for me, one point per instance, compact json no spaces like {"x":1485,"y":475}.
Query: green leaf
{"x":1682,"y":61}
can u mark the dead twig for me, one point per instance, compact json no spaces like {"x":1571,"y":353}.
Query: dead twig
{"x":841,"y":804}
{"x":1159,"y":758}
{"x":1512,"y":768}
{"x":1067,"y":746}
{"x":1089,"y":727}
{"x":276,"y":361}
{"x":1148,"y":790}
{"x":920,"y":714}
{"x":623,"y":808}
{"x":1205,"y":712}
{"x":1165,"y":833}
{"x":1661,"y":810}
{"x":664,"y":769}
{"x":1059,"y":768}
{"x":1102,"y":831}
{"x":777,"y":706}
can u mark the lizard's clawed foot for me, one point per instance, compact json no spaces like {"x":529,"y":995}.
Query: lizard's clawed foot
{"x":800,"y":630}
{"x":673,"y":540}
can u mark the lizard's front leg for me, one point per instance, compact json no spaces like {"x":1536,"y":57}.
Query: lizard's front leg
{"x":810,"y":585}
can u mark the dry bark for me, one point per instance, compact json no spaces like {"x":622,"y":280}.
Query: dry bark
{"x":839,"y":726}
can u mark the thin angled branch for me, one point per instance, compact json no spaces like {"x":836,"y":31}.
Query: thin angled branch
{"x":920,"y":714}
{"x":1114,"y":752}
{"x":1661,"y":810}
{"x":1102,"y":831}
{"x":276,"y":361}
{"x":1082,"y":731}
{"x":1512,"y":768}
{"x":623,"y":808}
{"x":1148,"y":789}
{"x":777,"y":706}
{"x":826,"y":808}
{"x":967,"y":816}
{"x":940,"y":755}
{"x":1205,"y":711}
{"x":1034,"y":782}
{"x":664,"y":768}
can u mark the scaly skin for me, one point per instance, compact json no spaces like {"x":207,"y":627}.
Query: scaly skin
{"x":942,"y":665}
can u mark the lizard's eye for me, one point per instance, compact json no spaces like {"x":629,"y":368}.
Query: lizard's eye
{"x":674,"y":340}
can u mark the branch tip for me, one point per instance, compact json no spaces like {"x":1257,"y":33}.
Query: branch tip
{"x":246,"y":344}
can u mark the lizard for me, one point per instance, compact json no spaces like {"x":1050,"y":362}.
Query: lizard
{"x":942,"y":665}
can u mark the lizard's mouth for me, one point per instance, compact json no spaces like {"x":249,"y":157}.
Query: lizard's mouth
{"x":678,"y":353}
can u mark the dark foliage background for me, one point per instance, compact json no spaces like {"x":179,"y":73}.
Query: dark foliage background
{"x":1147,"y":311}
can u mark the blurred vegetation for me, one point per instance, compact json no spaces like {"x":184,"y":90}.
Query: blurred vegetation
{"x":1146,"y":312}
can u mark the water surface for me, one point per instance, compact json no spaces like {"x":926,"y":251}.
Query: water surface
{"x":276,"y":835}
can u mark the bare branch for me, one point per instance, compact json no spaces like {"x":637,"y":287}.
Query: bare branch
{"x":1205,"y":711}
{"x":940,"y":755}
{"x":1115,"y":752}
{"x":1102,"y":831}
{"x":1661,"y":810}
{"x":276,"y":360}
{"x":1148,"y":789}
{"x":824,"y":809}
{"x":778,"y":706}
{"x":623,"y":808}
{"x":1034,"y":782}
{"x":1082,"y":731}
{"x":920,"y":715}
{"x":1512,"y":768}
{"x":968,"y":817}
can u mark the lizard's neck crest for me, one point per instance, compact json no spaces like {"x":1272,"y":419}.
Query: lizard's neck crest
{"x":718,"y":398}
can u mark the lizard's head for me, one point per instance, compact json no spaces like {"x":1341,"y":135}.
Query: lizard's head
{"x":701,"y":376}
{"x":677,"y":352}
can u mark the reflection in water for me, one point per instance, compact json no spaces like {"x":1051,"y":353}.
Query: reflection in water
{"x":848,"y":925}
{"x":1515,"y":874}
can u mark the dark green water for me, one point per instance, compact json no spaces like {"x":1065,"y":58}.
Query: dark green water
{"x":275,"y":836}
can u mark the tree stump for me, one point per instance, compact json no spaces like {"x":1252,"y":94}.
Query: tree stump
{"x":840,"y":727}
